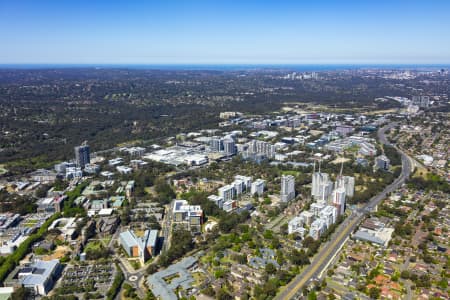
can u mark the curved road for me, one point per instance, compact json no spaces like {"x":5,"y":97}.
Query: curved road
{"x":328,"y":251}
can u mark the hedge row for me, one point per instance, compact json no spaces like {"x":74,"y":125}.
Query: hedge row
{"x":117,"y":283}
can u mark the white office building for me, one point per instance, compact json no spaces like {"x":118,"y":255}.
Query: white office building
{"x":227,"y":192}
{"x":326,"y":190}
{"x":247,"y":180}
{"x":382,"y":163}
{"x":61,"y":167}
{"x":239,"y":186}
{"x":318,"y":179}
{"x":124,"y":169}
{"x":287,"y":188}
{"x":258,"y":187}
{"x":295,"y":225}
{"x":229,"y":205}
{"x":216,"y":144}
{"x":329,"y":214}
{"x":74,"y":172}
{"x":40,"y":275}
{"x":229,"y":147}
{"x":367,"y":149}
{"x":191,"y":216}
{"x":421,"y":101}
{"x":261,"y":147}
{"x":322,"y":186}
{"x":348,"y":182}
{"x":339,"y":200}
{"x":317,"y":228}
{"x":217,"y":200}
{"x":317,"y":207}
{"x":307,"y":217}
{"x":92,"y":168}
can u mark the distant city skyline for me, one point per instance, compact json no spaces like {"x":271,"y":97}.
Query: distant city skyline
{"x":221,"y":32}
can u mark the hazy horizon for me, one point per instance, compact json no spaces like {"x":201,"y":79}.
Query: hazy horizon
{"x":223,"y":67}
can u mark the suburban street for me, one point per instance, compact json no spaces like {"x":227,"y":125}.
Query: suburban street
{"x":328,"y":251}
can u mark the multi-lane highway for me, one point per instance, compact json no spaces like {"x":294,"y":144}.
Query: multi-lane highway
{"x":343,"y":232}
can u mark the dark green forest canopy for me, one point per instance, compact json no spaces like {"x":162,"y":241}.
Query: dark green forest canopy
{"x":46,"y":112}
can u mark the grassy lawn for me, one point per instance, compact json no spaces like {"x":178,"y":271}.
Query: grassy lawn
{"x":206,"y":259}
{"x":150,"y":190}
{"x":139,"y":232}
{"x":421,"y":172}
{"x":293,"y":173}
{"x":198,"y":277}
{"x":94,"y":245}
{"x":30,"y":223}
{"x":129,"y":143}
{"x":384,"y":111}
{"x":340,"y":160}
{"x":3,"y":171}
{"x":135,"y":263}
{"x":360,"y":188}
{"x":226,"y":259}
{"x":106,"y":240}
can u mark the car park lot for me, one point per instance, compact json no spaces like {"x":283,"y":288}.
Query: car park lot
{"x":79,"y":279}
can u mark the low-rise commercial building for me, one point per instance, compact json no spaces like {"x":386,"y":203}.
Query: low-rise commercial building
{"x":382,"y":162}
{"x":43,"y":175}
{"x":229,"y":205}
{"x":189,"y":216}
{"x":51,"y":204}
{"x":74,"y":172}
{"x":182,"y":279}
{"x":92,"y":168}
{"x":124,"y":169}
{"x":67,"y":226}
{"x":39,"y":276}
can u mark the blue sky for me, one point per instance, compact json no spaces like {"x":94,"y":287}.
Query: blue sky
{"x":209,"y":32}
